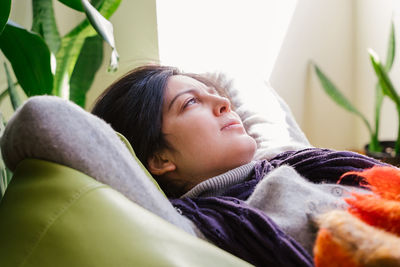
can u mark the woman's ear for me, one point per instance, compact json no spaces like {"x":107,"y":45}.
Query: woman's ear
{"x":160,"y":165}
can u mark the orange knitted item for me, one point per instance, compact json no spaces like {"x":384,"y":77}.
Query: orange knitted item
{"x":381,"y":209}
{"x":344,"y":240}
{"x":375,"y":211}
{"x":383,"y":181}
{"x":330,"y":253}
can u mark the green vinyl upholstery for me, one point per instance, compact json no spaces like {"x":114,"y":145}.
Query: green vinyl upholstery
{"x":146,"y":172}
{"x":53,"y":215}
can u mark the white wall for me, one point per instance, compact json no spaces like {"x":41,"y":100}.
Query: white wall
{"x":336,"y":34}
{"x":321,"y":31}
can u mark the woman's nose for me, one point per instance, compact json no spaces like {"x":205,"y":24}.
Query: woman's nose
{"x":222,"y":105}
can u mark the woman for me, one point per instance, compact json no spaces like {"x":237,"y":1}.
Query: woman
{"x":190,"y":126}
{"x":185,"y":132}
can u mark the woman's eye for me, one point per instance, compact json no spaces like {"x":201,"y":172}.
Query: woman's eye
{"x":190,"y":101}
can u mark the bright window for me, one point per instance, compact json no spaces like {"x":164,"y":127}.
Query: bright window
{"x":229,"y":35}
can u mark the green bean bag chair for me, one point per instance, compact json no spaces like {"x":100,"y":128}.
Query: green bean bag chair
{"x":78,"y":197}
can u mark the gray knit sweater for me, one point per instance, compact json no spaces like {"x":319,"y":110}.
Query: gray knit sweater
{"x":285,"y":196}
{"x":217,"y":185}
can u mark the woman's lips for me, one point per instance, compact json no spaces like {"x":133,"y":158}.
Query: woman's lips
{"x":232,"y":125}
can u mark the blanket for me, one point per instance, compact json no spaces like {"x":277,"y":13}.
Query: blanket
{"x":232,"y":224}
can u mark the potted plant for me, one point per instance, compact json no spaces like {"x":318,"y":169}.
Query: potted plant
{"x":387,"y":151}
{"x":44,"y":62}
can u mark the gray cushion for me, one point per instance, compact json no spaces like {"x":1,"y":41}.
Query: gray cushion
{"x":53,"y":129}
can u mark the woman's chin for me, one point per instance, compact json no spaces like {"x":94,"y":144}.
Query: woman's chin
{"x":245,"y":150}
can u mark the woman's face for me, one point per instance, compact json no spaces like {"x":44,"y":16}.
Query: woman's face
{"x":206,"y":137}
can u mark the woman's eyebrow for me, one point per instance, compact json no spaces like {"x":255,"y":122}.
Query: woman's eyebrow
{"x":178,"y":95}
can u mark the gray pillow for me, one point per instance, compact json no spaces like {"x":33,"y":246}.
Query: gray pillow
{"x":56,"y":130}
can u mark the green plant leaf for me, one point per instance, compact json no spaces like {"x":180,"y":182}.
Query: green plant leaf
{"x":379,"y":96}
{"x":391,"y":49}
{"x":4,"y":93}
{"x":3,"y":181}
{"x":331,"y":90}
{"x":5,"y":7}
{"x":87,"y":65}
{"x":5,"y":173}
{"x":3,"y":178}
{"x":77,"y":4}
{"x":374,"y":145}
{"x":387,"y":88}
{"x":105,"y":29}
{"x":29,"y":57}
{"x":71,"y":45}
{"x":12,"y":91}
{"x":44,"y":23}
{"x":384,"y":80}
{"x":67,"y":56}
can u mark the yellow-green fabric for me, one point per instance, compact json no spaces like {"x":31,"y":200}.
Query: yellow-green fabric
{"x":128,"y":145}
{"x":52,"y":215}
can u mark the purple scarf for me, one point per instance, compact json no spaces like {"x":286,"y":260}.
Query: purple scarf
{"x":248,"y":233}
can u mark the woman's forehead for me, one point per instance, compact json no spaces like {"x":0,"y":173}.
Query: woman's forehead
{"x":182,"y":82}
{"x":178,"y":83}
